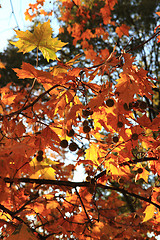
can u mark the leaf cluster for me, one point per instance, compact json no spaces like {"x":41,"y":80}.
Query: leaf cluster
{"x":74,"y":117}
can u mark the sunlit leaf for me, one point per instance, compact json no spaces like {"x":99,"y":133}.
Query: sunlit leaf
{"x":149,"y":212}
{"x":41,"y":38}
{"x":92,"y":154}
{"x":42,"y":169}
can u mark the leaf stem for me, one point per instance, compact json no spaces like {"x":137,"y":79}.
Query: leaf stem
{"x":37,"y":58}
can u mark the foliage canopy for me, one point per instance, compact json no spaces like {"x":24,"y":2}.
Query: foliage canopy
{"x":103,"y":116}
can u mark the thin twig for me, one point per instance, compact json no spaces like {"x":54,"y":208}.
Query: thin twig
{"x":27,"y":203}
{"x":12,"y":214}
{"x":89,"y":220}
{"x":30,"y":104}
{"x":145,"y":159}
{"x":14,"y":14}
{"x":143,"y":43}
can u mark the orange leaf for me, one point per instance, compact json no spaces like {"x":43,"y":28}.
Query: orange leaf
{"x":2,"y":65}
{"x":73,"y":111}
{"x":125,"y":86}
{"x":22,"y":232}
{"x":28,"y":71}
{"x":122,"y":30}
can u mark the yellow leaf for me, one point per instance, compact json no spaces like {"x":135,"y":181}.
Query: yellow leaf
{"x":149,"y":212}
{"x":42,"y":169}
{"x":41,"y":38}
{"x":128,"y":132}
{"x":148,"y":132}
{"x":115,"y":170}
{"x":92,"y":154}
{"x":22,"y":232}
{"x":144,"y":175}
{"x":145,"y":145}
{"x":5,"y":216}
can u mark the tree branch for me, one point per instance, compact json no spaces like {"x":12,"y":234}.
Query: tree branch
{"x":13,"y":215}
{"x":14,"y":14}
{"x":78,"y":184}
{"x":89,"y":220}
{"x":29,"y":105}
{"x":143,"y":43}
{"x":26,"y":203}
{"x":145,"y":159}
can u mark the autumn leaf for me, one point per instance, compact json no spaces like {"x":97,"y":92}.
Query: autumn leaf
{"x":122,"y":30}
{"x":29,"y":71}
{"x":52,"y":205}
{"x":92,"y":154}
{"x":126,"y":84}
{"x":3,"y":215}
{"x":2,"y":65}
{"x":149,"y":212}
{"x":112,"y":167}
{"x":41,"y":38}
{"x":144,"y":175}
{"x":86,"y":193}
{"x":42,"y":169}
{"x":64,"y":67}
{"x":22,"y":232}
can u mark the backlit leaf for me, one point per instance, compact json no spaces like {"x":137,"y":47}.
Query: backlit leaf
{"x":149,"y":212}
{"x":42,"y":169}
{"x":92,"y":154}
{"x":122,"y":30}
{"x":41,"y":38}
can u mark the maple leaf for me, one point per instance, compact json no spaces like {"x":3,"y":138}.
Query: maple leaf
{"x":41,"y":38}
{"x":127,"y":85}
{"x":144,"y":175}
{"x":64,"y":67}
{"x":109,"y":153}
{"x":116,"y":170}
{"x":122,"y":30}
{"x":22,"y":232}
{"x":28,"y":71}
